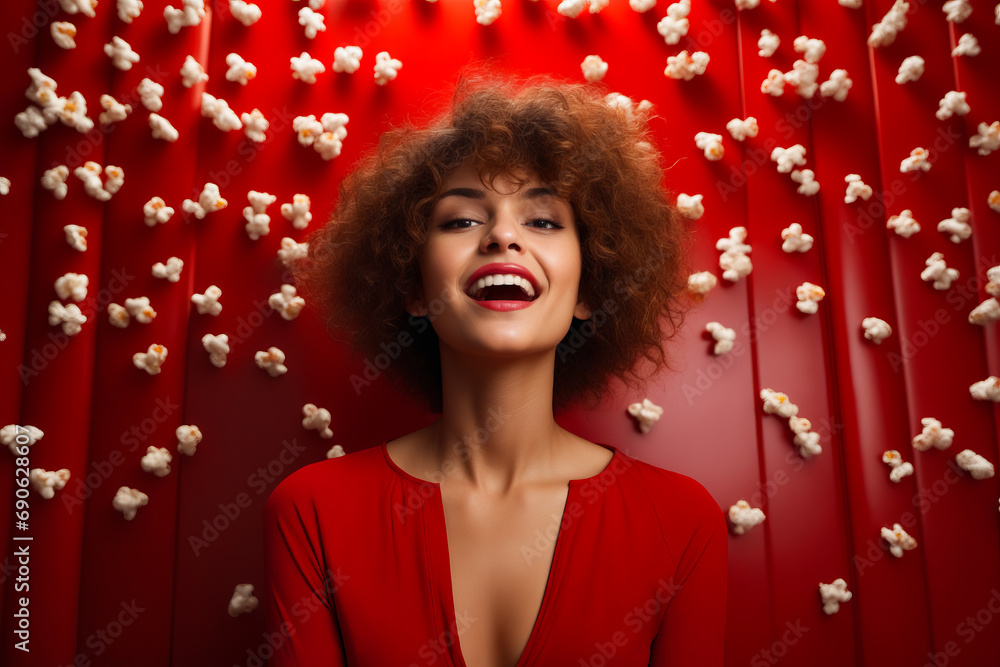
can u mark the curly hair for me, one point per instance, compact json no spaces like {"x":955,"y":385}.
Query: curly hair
{"x":591,"y":147}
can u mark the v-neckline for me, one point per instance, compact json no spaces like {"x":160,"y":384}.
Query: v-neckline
{"x":443,"y":578}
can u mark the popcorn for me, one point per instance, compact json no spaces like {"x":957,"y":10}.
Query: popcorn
{"x":933,"y":435}
{"x":787,"y":158}
{"x":856,"y":188}
{"x":957,"y":225}
{"x":90,"y":174}
{"x":777,"y":403}
{"x":642,"y":6}
{"x":741,"y":129}
{"x":967,"y":45}
{"x":723,"y":336}
{"x":487,"y":11}
{"x":386,"y":68}
{"x":711,"y":144}
{"x":48,"y":482}
{"x":70,"y":317}
{"x":243,"y":601}
{"x":245,"y":13}
{"x":298,"y":211}
{"x":272,"y":361}
{"x":337,"y":450}
{"x":807,"y":180}
{"x":42,"y":89}
{"x":593,"y":68}
{"x":114,"y":178}
{"x":150,"y":93}
{"x":171,"y":270}
{"x":774,"y":84}
{"x":85,"y":7}
{"x":4,"y":185}
{"x":899,"y":468}
{"x":806,"y":440}
{"x":884,"y":32}
{"x":938,"y":272}
{"x":157,"y":461}
{"x":209,"y":301}
{"x":572,"y":8}
{"x":76,"y":237}
{"x":254,"y":125}
{"x":699,"y":284}
{"x":217,"y":348}
{"x":987,"y":139}
{"x":209,"y":201}
{"x":811,"y":49}
{"x":162,"y":128}
{"x":836,"y":592}
{"x":910,"y":69}
{"x":239,"y":70}
{"x":993,"y":200}
{"x":898,"y":539}
{"x":903,"y":224}
{"x":836,"y":86}
{"x":325,"y":137}
{"x":347,"y":59}
{"x":72,"y":285}
{"x":953,"y":102}
{"x":809,"y":296}
{"x":192,"y":72}
{"x":54,"y":179}
{"x":128,"y":500}
{"x":744,"y":517}
{"x":977,"y":466}
{"x":803,"y":76}
{"x":305,"y":67}
{"x":675,"y":24}
{"x":624,"y":102}
{"x":121,"y":53}
{"x":690,"y":206}
{"x":218,"y":110}
{"x":140,"y":309}
{"x":876,"y":330}
{"x":986,"y":312}
{"x":853,"y":4}
{"x":646,"y":414}
{"x":795,"y":240}
{"x":734,"y":260}
{"x":986,"y":390}
{"x":318,"y":419}
{"x":258,"y":220}
{"x":747,"y":4}
{"x":29,"y":435}
{"x":117,"y":316}
{"x":312,"y":21}
{"x":150,"y":360}
{"x":917,"y":160}
{"x":188,"y":437}
{"x":63,"y":33}
{"x":768,"y":43}
{"x":286,"y":303}
{"x":291,"y":251}
{"x":30,"y":122}
{"x":956,"y":11}
{"x":190,"y":14}
{"x":156,"y":210}
{"x":129,"y":9}
{"x":113,"y":110}
{"x":684,"y":66}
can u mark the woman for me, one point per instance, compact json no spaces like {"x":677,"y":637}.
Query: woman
{"x":513,"y":256}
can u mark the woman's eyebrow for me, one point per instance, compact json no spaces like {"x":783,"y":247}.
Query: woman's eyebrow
{"x":475,"y":193}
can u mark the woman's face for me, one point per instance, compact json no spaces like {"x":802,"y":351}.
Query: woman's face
{"x":472,"y":226}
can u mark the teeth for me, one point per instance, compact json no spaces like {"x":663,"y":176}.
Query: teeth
{"x":475,"y":290}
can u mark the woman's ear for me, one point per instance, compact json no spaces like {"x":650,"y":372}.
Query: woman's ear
{"x":414,"y":305}
{"x":582,"y":311}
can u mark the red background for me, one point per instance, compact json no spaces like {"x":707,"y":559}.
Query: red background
{"x":823,"y":515}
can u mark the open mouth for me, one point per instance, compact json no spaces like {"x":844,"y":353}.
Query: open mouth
{"x":502,"y":293}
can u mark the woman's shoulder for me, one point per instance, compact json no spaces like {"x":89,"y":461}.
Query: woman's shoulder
{"x":343,"y":476}
{"x":673,"y":492}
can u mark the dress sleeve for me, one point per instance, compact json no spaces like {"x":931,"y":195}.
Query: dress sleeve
{"x":298,"y":600}
{"x":692,"y":631}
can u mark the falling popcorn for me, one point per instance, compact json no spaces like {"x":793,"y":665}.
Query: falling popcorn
{"x":156,"y":211}
{"x":744,"y":517}
{"x":898,"y":468}
{"x":258,"y":221}
{"x":318,"y":419}
{"x":741,"y":129}
{"x":898,"y":540}
{"x":794,"y":239}
{"x":69,"y":317}
{"x":72,"y":285}
{"x":910,"y":69}
{"x":976,"y":465}
{"x":48,"y":482}
{"x":192,"y":72}
{"x":76,"y":237}
{"x":876,"y":330}
{"x":286,"y":303}
{"x":957,"y":225}
{"x":209,"y":301}
{"x":903,"y":224}
{"x":987,"y":138}
{"x":917,"y":160}
{"x":171,"y":270}
{"x":244,"y":12}
{"x":272,"y":361}
{"x":986,"y":390}
{"x":217,"y":348}
{"x":884,"y":32}
{"x":723,"y":336}
{"x":347,"y":59}
{"x":209,"y":201}
{"x":933,"y":435}
{"x":243,"y":600}
{"x":767,"y":43}
{"x":777,"y":403}
{"x":675,"y":24}
{"x":121,"y":53}
{"x":239,"y":70}
{"x":593,"y":67}
{"x":734,"y":261}
{"x":701,"y":283}
{"x":188,"y":436}
{"x":856,"y":188}
{"x":386,"y":68}
{"x":63,"y":33}
{"x":156,"y":460}
{"x":711,"y":144}
{"x":833,"y":594}
{"x":150,"y":360}
{"x":646,"y":414}
{"x":297,"y":212}
{"x":690,"y":206}
{"x":54,"y":180}
{"x":128,"y":501}
{"x":684,"y":66}
{"x":189,"y":14}
{"x":788,"y":158}
{"x":254,"y":125}
{"x":487,"y":11}
{"x":938,"y":272}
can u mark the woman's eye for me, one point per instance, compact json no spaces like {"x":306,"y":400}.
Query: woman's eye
{"x":455,"y":223}
{"x":458,"y":223}
{"x":555,"y":225}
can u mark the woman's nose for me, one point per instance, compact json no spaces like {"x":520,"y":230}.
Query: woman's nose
{"x":504,"y":230}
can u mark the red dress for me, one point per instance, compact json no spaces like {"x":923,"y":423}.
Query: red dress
{"x":356,"y":556}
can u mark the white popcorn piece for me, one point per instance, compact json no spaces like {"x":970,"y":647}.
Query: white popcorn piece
{"x":805,"y":439}
{"x":128,"y":501}
{"x":156,"y":460}
{"x":286,"y":302}
{"x":953,"y":102}
{"x":910,"y":69}
{"x":593,"y":68}
{"x":967,"y":45}
{"x":297,"y":212}
{"x":239,"y":70}
{"x":767,"y":44}
{"x":986,"y":312}
{"x":73,"y":112}
{"x":63,"y":33}
{"x":744,"y":517}
{"x":903,"y":224}
{"x":244,"y":12}
{"x":292,"y":251}
{"x":209,"y":301}
{"x":48,"y":482}
{"x":884,"y":32}
{"x":898,"y":468}
{"x":646,"y":414}
{"x":218,"y":110}
{"x":956,"y":11}
{"x":318,"y":419}
{"x":114,"y":178}
{"x":642,"y":6}
{"x":625,"y":103}
{"x":347,"y":59}
{"x":701,"y":283}
{"x":876,"y":330}
{"x":90,"y":174}
{"x":851,"y":4}
{"x":723,"y":336}
{"x":809,"y":296}
{"x":996,"y":11}
{"x":69,"y":317}
{"x":209,"y":201}
{"x":118,"y":316}
{"x":834,"y":593}
{"x":487,"y":11}
{"x":987,"y":138}
{"x":192,"y":72}
{"x":14,"y":436}
{"x":976,"y":465}
{"x":337,"y":450}
{"x":312,"y":21}
{"x":777,"y":403}
{"x":986,"y":390}
{"x":156,"y":211}
{"x":189,"y":14}
{"x":72,"y":285}
{"x":690,"y":206}
{"x":129,"y":9}
{"x":254,"y":125}
{"x":85,"y":7}
{"x":711,"y":144}
{"x":42,"y":89}
{"x":993,"y":200}
{"x":217,"y":348}
{"x":917,"y":160}
{"x":803,"y":76}
{"x":957,"y":225}
{"x":76,"y":237}
{"x":836,"y":86}
{"x":150,"y":93}
{"x":675,"y":24}
{"x":4,"y":185}
{"x":243,"y":600}
{"x":140,"y":309}
{"x":748,"y":4}
{"x":54,"y":180}
{"x":330,"y":142}
{"x":938,"y":272}
{"x":162,"y":128}
{"x":933,"y":435}
{"x":788,"y":158}
{"x":171,"y":270}
{"x":151,"y":360}
{"x":741,"y":129}
{"x":305,"y":67}
{"x":386,"y":68}
{"x":811,"y":49}
{"x":806,"y":180}
{"x":899,"y":540}
{"x":794,"y":239}
{"x":572,"y":8}
{"x":121,"y":53}
{"x":684,"y":66}
{"x":272,"y":361}
{"x":188,"y":437}
{"x":30,"y":122}
{"x":993,"y":280}
{"x":734,"y":261}
{"x":114,"y":111}
{"x":856,"y":188}
{"x":258,"y":221}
